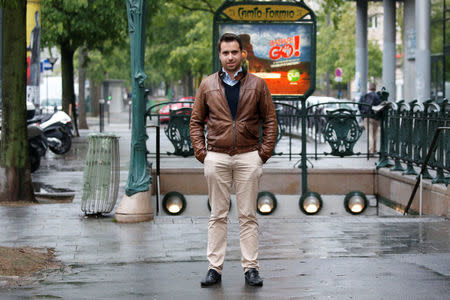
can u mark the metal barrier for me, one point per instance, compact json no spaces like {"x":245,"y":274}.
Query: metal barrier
{"x":424,"y":168}
{"x":177,"y":131}
{"x":406,"y":131}
{"x":410,"y":129}
{"x":101,"y":174}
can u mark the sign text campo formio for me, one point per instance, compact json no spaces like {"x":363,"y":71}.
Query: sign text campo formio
{"x":278,"y":42}
{"x":265,"y":12}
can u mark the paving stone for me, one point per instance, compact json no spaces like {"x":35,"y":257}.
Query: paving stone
{"x":309,"y":257}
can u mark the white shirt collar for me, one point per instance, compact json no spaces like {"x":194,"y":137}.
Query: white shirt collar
{"x":227,"y":79}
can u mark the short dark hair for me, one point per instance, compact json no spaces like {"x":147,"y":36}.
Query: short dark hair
{"x":229,"y":37}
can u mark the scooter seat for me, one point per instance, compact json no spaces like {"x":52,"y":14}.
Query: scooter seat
{"x":39,"y":119}
{"x":45,"y":118}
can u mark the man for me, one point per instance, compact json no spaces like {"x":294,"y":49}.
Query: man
{"x":234,"y":103}
{"x":371,"y":120}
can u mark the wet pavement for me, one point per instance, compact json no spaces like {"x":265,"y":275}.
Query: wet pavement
{"x":307,"y":257}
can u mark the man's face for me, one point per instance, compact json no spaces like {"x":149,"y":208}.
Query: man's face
{"x":230,"y":56}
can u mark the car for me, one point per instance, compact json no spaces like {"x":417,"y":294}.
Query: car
{"x":164,"y":112}
{"x":49,"y":106}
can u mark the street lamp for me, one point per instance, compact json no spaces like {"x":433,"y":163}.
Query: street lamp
{"x":355,"y":202}
{"x":266,"y":203}
{"x":310,"y":203}
{"x":174,"y":203}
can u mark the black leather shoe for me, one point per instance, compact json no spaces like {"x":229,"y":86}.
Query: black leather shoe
{"x":212,"y":277}
{"x":252,"y":278}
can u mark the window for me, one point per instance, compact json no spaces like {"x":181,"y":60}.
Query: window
{"x":373,"y":22}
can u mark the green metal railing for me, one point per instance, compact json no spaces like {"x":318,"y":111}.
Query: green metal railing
{"x":407,"y":133}
{"x":333,"y":129}
{"x":424,"y":165}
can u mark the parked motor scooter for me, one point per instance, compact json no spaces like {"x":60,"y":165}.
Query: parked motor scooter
{"x":37,"y":145}
{"x":57,"y":129}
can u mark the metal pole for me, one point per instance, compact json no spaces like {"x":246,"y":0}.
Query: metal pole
{"x":423,"y":58}
{"x":303,"y":163}
{"x":361,"y":60}
{"x":102,"y":125}
{"x":138,"y":176}
{"x":420,"y":195}
{"x":389,"y":47}
{"x":109,"y":117}
{"x":409,"y":40}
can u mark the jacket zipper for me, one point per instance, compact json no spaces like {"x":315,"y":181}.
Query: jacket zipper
{"x":234,"y":134}
{"x":221,"y":89}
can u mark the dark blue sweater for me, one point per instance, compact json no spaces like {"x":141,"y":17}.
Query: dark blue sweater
{"x":232,"y":95}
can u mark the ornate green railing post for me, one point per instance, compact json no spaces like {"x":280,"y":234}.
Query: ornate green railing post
{"x":384,"y":160}
{"x":442,"y":119}
{"x":409,"y":139}
{"x":395,"y":131}
{"x":428,"y":131}
{"x":136,"y":206}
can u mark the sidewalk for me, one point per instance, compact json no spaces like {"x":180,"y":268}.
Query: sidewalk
{"x":308,"y":257}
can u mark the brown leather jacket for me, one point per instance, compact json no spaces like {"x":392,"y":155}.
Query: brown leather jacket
{"x":242,"y":135}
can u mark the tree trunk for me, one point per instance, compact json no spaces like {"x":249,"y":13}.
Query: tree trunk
{"x":68,"y":93}
{"x":95,"y":95}
{"x":190,"y":91}
{"x":15,"y":173}
{"x":327,"y":82}
{"x":83,"y":53}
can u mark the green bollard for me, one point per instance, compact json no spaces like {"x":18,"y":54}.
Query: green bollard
{"x":136,"y":205}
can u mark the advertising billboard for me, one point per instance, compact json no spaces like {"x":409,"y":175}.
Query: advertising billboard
{"x":278,"y":42}
{"x":33,"y":50}
{"x":278,"y":53}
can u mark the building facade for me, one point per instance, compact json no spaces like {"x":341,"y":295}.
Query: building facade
{"x":413,"y":42}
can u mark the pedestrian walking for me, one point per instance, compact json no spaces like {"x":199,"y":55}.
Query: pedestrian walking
{"x":370,"y":118}
{"x":235,"y":103}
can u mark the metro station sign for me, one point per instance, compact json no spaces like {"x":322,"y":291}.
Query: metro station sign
{"x":263,"y":12}
{"x":279,"y":43}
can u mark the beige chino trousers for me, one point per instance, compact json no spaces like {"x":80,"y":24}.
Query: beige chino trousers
{"x":221,"y":172}
{"x":373,"y":126}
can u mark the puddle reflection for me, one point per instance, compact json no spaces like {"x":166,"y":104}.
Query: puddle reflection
{"x":43,"y":188}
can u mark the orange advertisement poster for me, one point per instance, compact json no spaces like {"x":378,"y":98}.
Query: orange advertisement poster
{"x":278,"y":53}
{"x":33,"y":42}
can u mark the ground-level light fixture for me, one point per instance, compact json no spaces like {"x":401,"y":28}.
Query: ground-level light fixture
{"x":209,"y":204}
{"x":310,"y":203}
{"x":355,"y":202}
{"x":266,"y":203}
{"x":174,"y":203}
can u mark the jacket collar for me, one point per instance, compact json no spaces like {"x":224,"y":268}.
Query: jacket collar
{"x":240,"y":75}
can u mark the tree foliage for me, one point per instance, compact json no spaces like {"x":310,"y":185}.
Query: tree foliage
{"x":71,"y":24}
{"x":98,"y":25}
{"x":336,"y":45}
{"x":115,"y":64}
{"x":334,"y":9}
{"x":185,"y":47}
